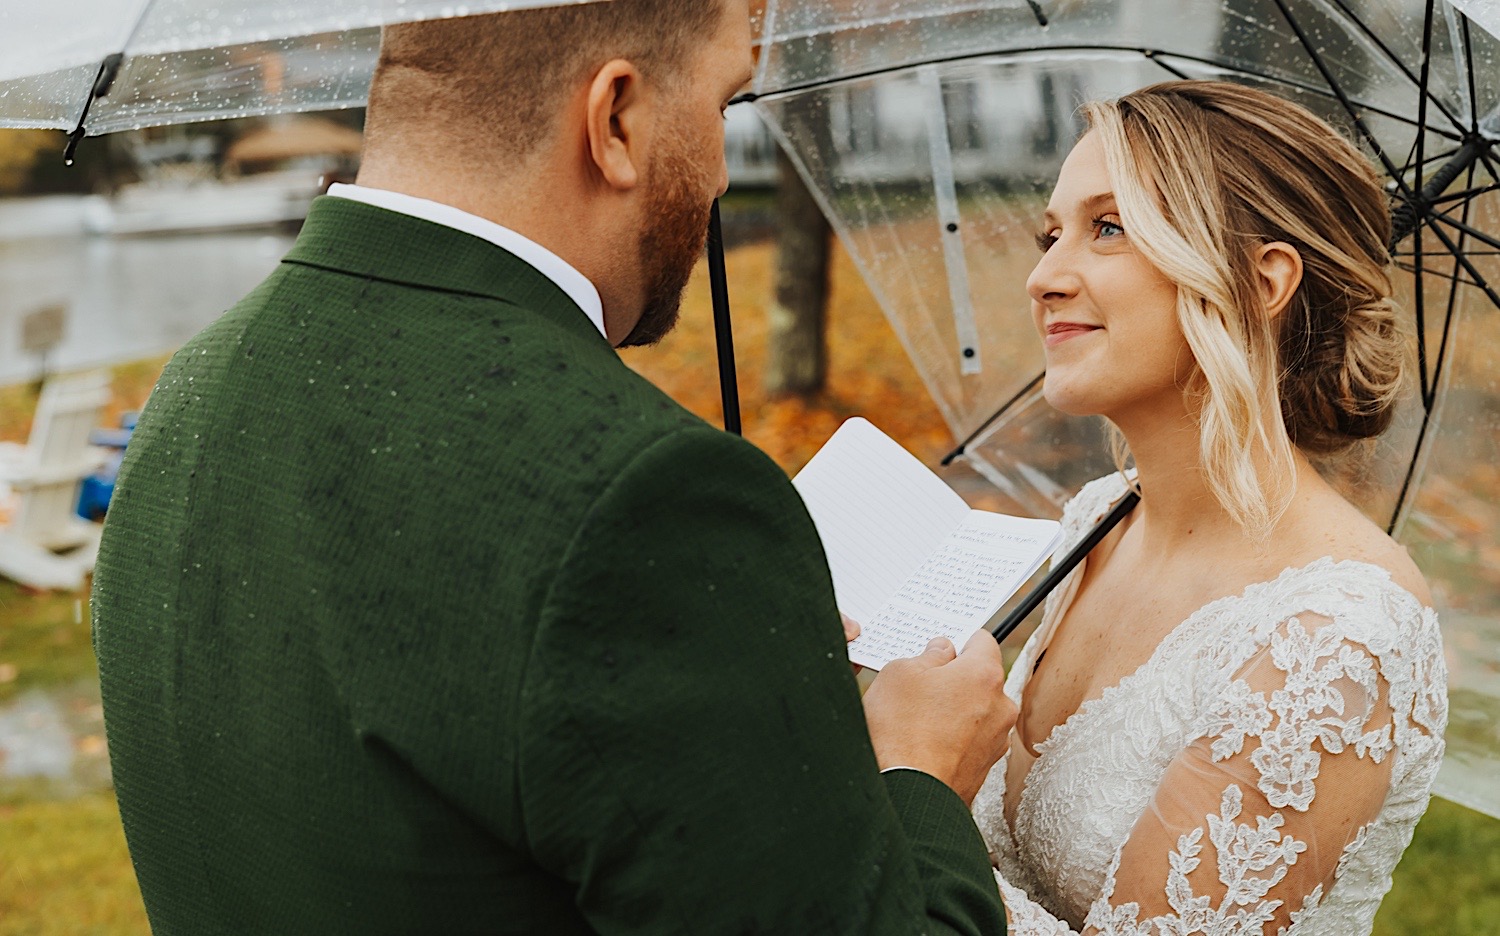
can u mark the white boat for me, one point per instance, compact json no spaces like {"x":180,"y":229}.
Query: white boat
{"x":264,"y":200}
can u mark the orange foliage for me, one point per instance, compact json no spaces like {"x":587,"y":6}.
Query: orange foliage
{"x":869,"y":373}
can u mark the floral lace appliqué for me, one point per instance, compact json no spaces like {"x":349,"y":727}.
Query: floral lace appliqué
{"x":1308,"y":710}
{"x":1252,"y":860}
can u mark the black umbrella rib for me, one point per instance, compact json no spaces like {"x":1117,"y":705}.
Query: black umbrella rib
{"x":1159,"y":62}
{"x":1149,"y":53}
{"x":1417,"y":163}
{"x":1467,"y":194}
{"x":1343,"y":98}
{"x":1429,"y":392}
{"x":1442,"y":350}
{"x":1479,"y":280}
{"x":1468,"y":253}
{"x":1419,"y":307}
{"x":1395,"y":59}
{"x":1484,"y":157}
{"x":1422,"y":97}
{"x":1430,"y":399}
{"x":962,"y":446}
{"x":1473,"y":94}
{"x":1420,"y":295}
{"x":1489,"y":240}
{"x":1456,"y":276}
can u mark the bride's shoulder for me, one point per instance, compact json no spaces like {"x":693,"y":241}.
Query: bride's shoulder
{"x":1337,"y":529}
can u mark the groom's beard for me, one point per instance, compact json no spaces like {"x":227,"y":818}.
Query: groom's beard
{"x":672,"y":243}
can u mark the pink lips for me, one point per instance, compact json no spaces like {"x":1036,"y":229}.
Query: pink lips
{"x":1058,"y":332}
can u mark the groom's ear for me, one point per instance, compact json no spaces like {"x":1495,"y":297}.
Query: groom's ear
{"x":618,"y":124}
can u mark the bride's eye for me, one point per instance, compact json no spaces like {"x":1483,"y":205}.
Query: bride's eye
{"x":1107,"y":228}
{"x":1045,"y":240}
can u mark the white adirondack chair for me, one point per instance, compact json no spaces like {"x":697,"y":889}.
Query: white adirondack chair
{"x":46,"y":545}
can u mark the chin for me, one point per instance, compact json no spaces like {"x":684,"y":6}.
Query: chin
{"x":1075,"y":401}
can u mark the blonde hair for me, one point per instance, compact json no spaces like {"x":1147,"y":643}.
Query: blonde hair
{"x":1206,"y":171}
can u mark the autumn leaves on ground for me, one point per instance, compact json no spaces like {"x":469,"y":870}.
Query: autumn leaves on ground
{"x":868,"y":375}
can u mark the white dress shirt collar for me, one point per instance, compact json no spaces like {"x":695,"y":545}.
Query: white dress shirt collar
{"x":549,"y":264}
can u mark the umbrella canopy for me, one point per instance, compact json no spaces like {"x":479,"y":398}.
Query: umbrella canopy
{"x":931,"y":132}
{"x":107,"y":65}
{"x":932,"y":139}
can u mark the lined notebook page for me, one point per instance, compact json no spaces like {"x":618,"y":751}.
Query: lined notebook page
{"x":958,"y":588}
{"x":879,"y":511}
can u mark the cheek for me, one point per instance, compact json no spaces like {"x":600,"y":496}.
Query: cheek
{"x":707,"y":146}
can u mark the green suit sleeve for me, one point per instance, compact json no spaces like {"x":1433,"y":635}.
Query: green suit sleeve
{"x":693,"y":754}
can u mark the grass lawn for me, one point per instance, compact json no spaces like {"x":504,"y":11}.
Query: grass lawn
{"x":64,"y":870}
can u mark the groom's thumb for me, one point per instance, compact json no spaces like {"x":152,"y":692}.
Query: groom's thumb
{"x":939,"y":650}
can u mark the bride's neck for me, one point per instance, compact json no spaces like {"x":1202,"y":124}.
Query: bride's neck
{"x":1178,"y":508}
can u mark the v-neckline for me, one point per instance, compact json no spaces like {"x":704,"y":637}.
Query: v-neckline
{"x":1060,"y":731}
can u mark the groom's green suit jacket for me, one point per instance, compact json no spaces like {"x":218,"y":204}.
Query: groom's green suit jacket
{"x":418,"y":612}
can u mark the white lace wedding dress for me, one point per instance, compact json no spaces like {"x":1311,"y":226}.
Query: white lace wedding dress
{"x":1261,"y":773}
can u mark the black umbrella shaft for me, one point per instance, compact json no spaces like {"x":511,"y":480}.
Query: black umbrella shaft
{"x":1058,"y":572}
{"x":1408,"y":216}
{"x":718,"y":281}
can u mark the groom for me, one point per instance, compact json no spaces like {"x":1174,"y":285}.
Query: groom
{"x":418,"y":612}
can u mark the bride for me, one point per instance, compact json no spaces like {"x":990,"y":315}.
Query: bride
{"x":1232,"y":713}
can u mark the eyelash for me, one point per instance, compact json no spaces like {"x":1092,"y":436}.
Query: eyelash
{"x":1044,"y":241}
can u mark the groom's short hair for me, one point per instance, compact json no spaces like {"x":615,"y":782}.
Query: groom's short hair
{"x":502,"y":78}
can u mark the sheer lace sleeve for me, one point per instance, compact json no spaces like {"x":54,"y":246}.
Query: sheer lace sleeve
{"x":1255,"y":819}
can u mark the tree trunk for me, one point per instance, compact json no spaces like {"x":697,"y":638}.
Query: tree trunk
{"x":797,"y":358}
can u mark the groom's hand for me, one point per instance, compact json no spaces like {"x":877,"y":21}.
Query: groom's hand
{"x":943,"y":713}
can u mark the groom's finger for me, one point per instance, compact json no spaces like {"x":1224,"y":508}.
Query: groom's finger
{"x":940,"y":650}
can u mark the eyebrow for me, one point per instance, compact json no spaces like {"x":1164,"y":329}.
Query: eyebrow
{"x":1093,"y":201}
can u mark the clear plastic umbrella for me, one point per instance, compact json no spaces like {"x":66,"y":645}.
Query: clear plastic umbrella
{"x":932,"y":132}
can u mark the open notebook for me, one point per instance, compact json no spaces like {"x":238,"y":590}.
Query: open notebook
{"x":910,"y":560}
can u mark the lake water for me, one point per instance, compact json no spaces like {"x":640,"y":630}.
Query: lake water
{"x":126,"y":298}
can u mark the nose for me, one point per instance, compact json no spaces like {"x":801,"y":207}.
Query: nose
{"x":1054,"y":278}
{"x":723,"y":177}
